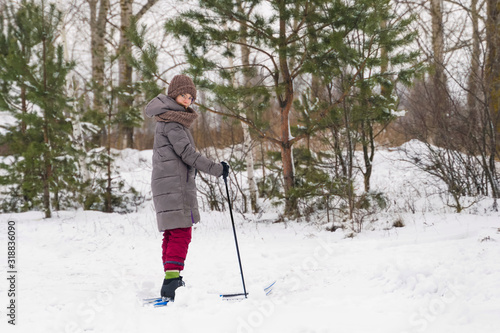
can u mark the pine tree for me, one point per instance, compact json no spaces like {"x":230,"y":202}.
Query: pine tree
{"x":146,"y":64}
{"x":288,"y":40}
{"x":43,"y":169}
{"x":359,"y":82}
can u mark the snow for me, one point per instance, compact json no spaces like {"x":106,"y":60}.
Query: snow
{"x":6,"y":119}
{"x":85,"y":271}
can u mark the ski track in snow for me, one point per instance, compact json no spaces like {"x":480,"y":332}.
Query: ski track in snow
{"x":84,"y":271}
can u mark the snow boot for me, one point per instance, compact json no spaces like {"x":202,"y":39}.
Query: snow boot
{"x":169,"y":286}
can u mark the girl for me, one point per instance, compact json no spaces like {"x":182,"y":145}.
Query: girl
{"x":175,"y":160}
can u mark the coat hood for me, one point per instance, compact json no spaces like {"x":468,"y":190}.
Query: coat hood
{"x":161,"y":104}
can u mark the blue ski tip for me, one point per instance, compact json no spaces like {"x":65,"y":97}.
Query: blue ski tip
{"x":160,"y":304}
{"x":156,"y":302}
{"x":269,"y":286}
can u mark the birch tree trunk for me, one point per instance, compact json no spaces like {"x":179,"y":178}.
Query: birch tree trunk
{"x":438,"y":42}
{"x":125,"y":77}
{"x":493,"y":81}
{"x":247,"y":140}
{"x":97,"y":22}
{"x":72,"y":88}
{"x":475,"y":74}
{"x":438,"y":117}
{"x":125,"y":100}
{"x":247,"y":147}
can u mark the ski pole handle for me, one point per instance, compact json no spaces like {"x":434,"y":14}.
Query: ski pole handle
{"x":225,"y":170}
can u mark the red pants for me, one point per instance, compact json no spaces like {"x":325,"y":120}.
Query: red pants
{"x":175,"y":246}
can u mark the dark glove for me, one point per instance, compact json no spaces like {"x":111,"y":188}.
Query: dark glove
{"x":225,"y":169}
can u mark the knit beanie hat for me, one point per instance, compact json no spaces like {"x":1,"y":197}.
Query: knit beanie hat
{"x":181,"y":84}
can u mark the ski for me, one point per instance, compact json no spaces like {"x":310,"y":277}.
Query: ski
{"x":156,"y":302}
{"x":160,"y":302}
{"x":269,"y":288}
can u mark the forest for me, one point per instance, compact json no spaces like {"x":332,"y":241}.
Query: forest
{"x":297,"y":96}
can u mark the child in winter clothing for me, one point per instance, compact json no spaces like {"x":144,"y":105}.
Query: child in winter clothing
{"x":172,"y":183}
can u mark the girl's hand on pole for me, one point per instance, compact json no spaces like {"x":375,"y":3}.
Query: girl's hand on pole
{"x":225,"y":170}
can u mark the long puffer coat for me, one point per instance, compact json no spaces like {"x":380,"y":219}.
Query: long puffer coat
{"x":174,"y":162}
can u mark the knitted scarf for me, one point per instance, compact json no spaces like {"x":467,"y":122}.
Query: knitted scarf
{"x":185,"y":118}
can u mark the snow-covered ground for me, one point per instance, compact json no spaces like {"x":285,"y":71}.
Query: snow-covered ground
{"x":84,"y":271}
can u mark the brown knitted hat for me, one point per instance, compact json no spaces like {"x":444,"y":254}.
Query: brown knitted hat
{"x":181,"y":84}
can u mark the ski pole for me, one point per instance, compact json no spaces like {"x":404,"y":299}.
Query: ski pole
{"x":235,"y":238}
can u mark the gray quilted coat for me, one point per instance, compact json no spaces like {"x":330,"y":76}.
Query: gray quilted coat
{"x":174,"y":162}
